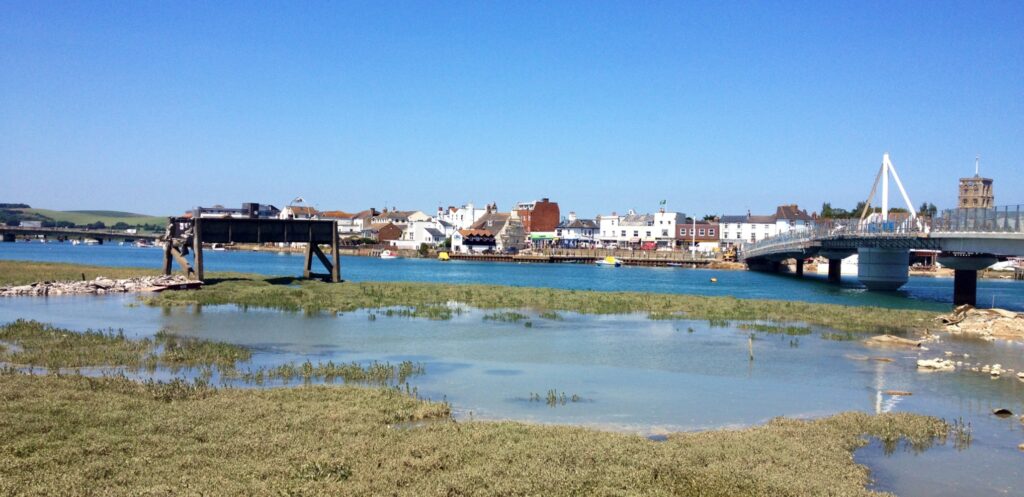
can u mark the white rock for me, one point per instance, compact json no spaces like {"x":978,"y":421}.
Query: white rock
{"x":936,"y":364}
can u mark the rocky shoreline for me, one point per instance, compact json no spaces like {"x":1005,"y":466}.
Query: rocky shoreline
{"x":99,"y":286}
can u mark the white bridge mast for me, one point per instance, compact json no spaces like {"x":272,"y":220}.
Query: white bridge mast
{"x":883,"y":175}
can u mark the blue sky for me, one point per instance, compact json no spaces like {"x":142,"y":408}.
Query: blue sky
{"x":716,"y":107}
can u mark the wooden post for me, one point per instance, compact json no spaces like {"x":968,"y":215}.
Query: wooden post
{"x":308,"y":265}
{"x":197,"y":245}
{"x":336,"y":269}
{"x":167,"y":258}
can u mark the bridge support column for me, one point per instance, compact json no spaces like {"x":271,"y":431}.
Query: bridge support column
{"x":835,"y":270}
{"x":799,"y":266}
{"x":965,"y":274}
{"x":9,"y":237}
{"x":965,"y":287}
{"x":883,"y":269}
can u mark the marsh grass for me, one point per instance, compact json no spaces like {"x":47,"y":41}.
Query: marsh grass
{"x":719,"y":311}
{"x":40,"y":344}
{"x":505,"y":316}
{"x":26,"y":272}
{"x":776,"y":329}
{"x":70,"y":435}
{"x":376,"y":373}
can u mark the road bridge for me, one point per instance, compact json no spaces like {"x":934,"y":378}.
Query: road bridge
{"x":10,"y":233}
{"x":967,"y":240}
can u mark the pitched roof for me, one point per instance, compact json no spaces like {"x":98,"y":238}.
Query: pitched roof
{"x":748,"y":219}
{"x":302,"y":210}
{"x":336,"y":215}
{"x":791,"y":212}
{"x":434,"y":233}
{"x":475,"y":232}
{"x":492,"y":221}
{"x":578,"y":223}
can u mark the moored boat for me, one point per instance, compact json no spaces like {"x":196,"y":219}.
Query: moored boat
{"x":608,"y":262}
{"x":387,"y":254}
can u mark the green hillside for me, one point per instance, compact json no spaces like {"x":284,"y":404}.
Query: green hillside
{"x":82,"y":218}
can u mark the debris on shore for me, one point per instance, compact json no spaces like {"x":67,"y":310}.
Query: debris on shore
{"x":100,"y":286}
{"x":937,"y":364}
{"x":892,"y":340}
{"x":987,"y":324}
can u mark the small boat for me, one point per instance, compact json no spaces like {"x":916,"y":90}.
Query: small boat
{"x":90,"y":241}
{"x":609,"y":262}
{"x":217,"y":246}
{"x":143,"y":243}
{"x":387,"y":254}
{"x":443,"y":256}
{"x":75,"y":242}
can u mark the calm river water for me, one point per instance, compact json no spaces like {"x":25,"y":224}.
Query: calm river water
{"x":632,"y":374}
{"x":920,"y":292}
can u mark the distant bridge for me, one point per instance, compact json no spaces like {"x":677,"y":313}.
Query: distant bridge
{"x":9,"y":234}
{"x":967,"y":240}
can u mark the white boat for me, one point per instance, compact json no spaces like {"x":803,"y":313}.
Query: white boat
{"x":387,"y":254}
{"x":608,"y":262}
{"x":90,"y":241}
{"x":217,"y":246}
{"x":75,"y":242}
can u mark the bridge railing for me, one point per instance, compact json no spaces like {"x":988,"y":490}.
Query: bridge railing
{"x":799,"y":239}
{"x":1001,"y":219}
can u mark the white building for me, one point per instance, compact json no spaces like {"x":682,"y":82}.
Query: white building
{"x":665,"y":224}
{"x":573,"y":232}
{"x":417,"y":233}
{"x":737,"y":230}
{"x":634,"y":230}
{"x":460,"y":217}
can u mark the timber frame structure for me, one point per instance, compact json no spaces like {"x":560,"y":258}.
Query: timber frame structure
{"x":184,"y":234}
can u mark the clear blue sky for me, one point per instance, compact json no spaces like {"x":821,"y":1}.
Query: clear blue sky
{"x":715,"y":107}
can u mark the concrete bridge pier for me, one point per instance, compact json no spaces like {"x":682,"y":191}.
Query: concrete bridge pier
{"x":883,"y":268}
{"x":8,"y":237}
{"x":965,"y":274}
{"x":835,"y":263}
{"x":799,"y":266}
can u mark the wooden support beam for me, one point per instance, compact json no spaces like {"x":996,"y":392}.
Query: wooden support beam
{"x":167,"y":257}
{"x":182,"y":261}
{"x":307,"y":267}
{"x":323,"y":257}
{"x":336,"y":268}
{"x":197,"y":245}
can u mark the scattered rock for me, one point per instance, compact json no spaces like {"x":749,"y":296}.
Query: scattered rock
{"x":987,"y":324}
{"x":98,"y":286}
{"x":937,"y":364}
{"x":1021,"y":446}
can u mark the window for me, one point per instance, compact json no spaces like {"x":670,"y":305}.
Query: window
{"x":664,"y":232}
{"x":648,"y":233}
{"x":711,"y":232}
{"x":726,"y":234}
{"x":682,"y":231}
{"x":636,"y":233}
{"x":623,"y":232}
{"x":701,"y":232}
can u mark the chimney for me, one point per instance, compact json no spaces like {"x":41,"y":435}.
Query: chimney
{"x":572,"y":216}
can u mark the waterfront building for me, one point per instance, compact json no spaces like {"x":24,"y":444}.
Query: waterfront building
{"x":538,"y":216}
{"x":699,"y":236}
{"x":299,"y":212}
{"x":506,"y":227}
{"x":473,"y":240}
{"x":400,"y":218}
{"x":573,"y":232}
{"x":249,"y":210}
{"x":665,"y":224}
{"x":417,"y":233}
{"x":461,"y":217}
{"x":382,"y":232}
{"x":630,"y":231}
{"x":736,"y":230}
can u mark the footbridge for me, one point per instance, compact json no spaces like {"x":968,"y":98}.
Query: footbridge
{"x":10,"y":233}
{"x":967,"y":240}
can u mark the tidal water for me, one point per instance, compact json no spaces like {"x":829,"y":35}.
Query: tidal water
{"x":920,"y":292}
{"x":630,"y":373}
